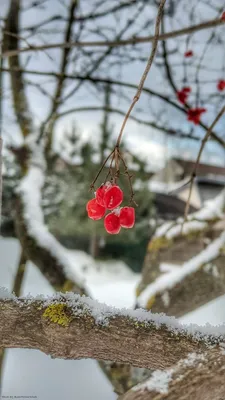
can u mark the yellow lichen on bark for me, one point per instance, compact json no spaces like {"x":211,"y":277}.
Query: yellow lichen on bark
{"x":58,"y":314}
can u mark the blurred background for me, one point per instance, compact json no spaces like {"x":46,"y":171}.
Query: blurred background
{"x":75,"y":98}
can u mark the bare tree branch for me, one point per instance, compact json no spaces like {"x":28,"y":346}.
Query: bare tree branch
{"x":125,"y":42}
{"x":21,"y":106}
{"x":56,"y":101}
{"x":95,"y":80}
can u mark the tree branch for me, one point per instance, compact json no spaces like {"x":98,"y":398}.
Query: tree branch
{"x":11,"y":43}
{"x":196,"y":257}
{"x":56,"y":101}
{"x":96,"y":80}
{"x":125,"y":42}
{"x":73,"y":327}
{"x":196,"y":377}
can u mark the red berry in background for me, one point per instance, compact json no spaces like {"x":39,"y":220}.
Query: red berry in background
{"x":188,"y":53}
{"x":221,"y":85}
{"x":186,"y":89}
{"x":194,"y":114}
{"x":112,"y":223}
{"x":95,"y":211}
{"x":223,"y":16}
{"x":127,"y":217}
{"x":113,"y":197}
{"x":99,"y":195}
{"x":182,"y":94}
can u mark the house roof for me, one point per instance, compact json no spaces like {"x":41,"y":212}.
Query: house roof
{"x":168,"y":206}
{"x":203,"y":169}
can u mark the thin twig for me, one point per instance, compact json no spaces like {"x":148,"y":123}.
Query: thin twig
{"x":194,"y":172}
{"x":129,"y":177}
{"x":116,"y":152}
{"x":100,"y":170}
{"x":146,"y":71}
{"x":180,"y":32}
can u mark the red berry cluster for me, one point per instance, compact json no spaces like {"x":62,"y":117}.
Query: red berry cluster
{"x":109,"y":197}
{"x":194,"y":114}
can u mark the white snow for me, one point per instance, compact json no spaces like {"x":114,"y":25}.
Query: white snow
{"x":169,"y":280}
{"x":213,"y":209}
{"x":30,"y":189}
{"x":166,"y":267}
{"x":5,"y":294}
{"x":160,"y":380}
{"x":166,"y":299}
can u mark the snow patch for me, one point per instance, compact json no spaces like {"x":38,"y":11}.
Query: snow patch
{"x":5,"y":294}
{"x":160,"y":380}
{"x":197,"y":221}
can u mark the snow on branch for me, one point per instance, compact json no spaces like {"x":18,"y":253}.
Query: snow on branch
{"x":198,"y":376}
{"x":73,"y":327}
{"x":213,"y":210}
{"x":170,"y":279}
{"x":30,"y":190}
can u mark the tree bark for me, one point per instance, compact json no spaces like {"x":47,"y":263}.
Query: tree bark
{"x":11,"y":42}
{"x":75,"y":327}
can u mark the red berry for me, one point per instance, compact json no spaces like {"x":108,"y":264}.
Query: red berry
{"x":95,"y":211}
{"x":221,"y":85}
{"x":194,"y":114}
{"x":188,"y":53}
{"x":223,"y":16}
{"x":182,"y":97}
{"x":182,"y":94}
{"x":112,"y":223}
{"x":127,"y":217}
{"x":100,"y":192}
{"x":186,"y":89}
{"x":113,"y":197}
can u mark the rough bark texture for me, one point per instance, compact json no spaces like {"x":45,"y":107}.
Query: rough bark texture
{"x":196,"y":289}
{"x":204,"y":380}
{"x":64,"y":333}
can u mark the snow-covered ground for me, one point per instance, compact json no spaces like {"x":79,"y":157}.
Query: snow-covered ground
{"x":32,"y":373}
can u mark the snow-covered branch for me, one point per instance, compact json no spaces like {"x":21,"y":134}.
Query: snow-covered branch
{"x":198,"y":255}
{"x":73,"y":327}
{"x":199,"y":376}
